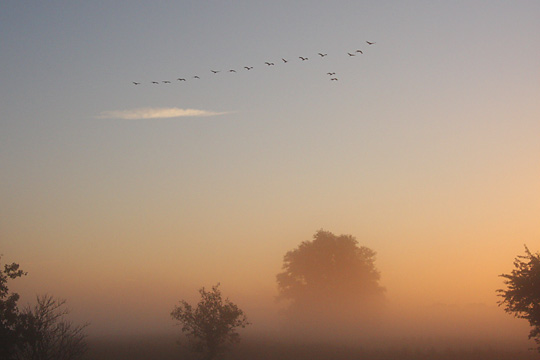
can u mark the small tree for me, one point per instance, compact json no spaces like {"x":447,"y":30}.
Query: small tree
{"x":48,"y":335}
{"x":10,"y":334}
{"x":522,"y":296}
{"x":211,"y":326}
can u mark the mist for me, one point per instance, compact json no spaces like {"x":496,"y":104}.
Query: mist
{"x":451,"y":331}
{"x":132,"y":317}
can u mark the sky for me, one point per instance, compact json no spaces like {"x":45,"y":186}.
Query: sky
{"x":126,"y":198}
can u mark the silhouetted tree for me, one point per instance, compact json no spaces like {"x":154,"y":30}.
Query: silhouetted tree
{"x":330,"y":278}
{"x":522,"y":296}
{"x":10,"y":334}
{"x":211,"y":326}
{"x":48,"y":335}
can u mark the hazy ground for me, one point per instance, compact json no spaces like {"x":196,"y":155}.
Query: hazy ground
{"x":165,"y":347}
{"x":435,"y":332}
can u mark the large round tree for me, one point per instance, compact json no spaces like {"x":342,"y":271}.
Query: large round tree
{"x":330,"y":278}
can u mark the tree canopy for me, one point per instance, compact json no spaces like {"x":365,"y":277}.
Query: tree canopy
{"x":522,"y":295}
{"x":330,"y":275}
{"x":211,"y":326}
{"x":10,"y":332}
{"x":47,"y":333}
{"x":38,"y":332}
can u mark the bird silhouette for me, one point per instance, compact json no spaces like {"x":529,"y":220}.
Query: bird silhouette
{"x":268,"y":64}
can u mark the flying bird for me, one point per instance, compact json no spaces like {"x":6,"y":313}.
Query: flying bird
{"x":269,"y":64}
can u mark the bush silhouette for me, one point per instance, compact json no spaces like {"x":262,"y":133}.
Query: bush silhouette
{"x":211,"y":326}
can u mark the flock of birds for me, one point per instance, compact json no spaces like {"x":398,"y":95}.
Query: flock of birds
{"x":332,"y":75}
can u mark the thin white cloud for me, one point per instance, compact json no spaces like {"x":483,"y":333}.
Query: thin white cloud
{"x":155,"y":113}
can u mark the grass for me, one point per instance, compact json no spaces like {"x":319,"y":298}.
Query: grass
{"x":166,"y":348}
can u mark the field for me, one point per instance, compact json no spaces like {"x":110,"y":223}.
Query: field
{"x":166,"y":348}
